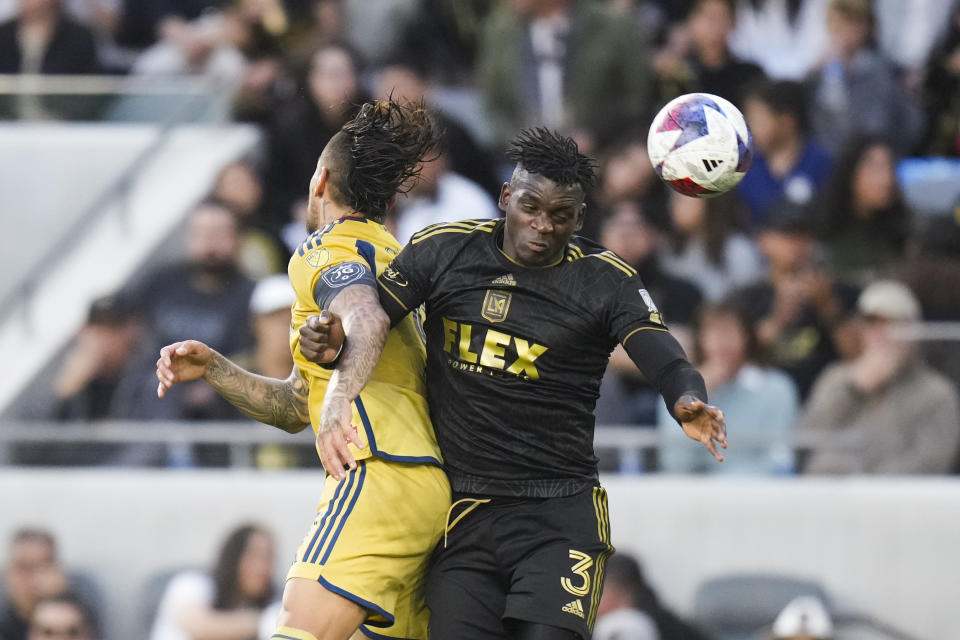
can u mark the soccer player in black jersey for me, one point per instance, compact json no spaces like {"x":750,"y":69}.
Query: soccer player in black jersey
{"x":521,"y":317}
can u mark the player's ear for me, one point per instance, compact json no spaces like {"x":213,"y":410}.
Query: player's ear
{"x":580,"y":217}
{"x":504,"y":197}
{"x":322,"y":176}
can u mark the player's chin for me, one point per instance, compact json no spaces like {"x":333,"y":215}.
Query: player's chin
{"x":540,"y":254}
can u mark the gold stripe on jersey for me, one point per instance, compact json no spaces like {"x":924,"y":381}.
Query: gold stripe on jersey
{"x":611,"y":258}
{"x":630,"y":335}
{"x":464,"y":226}
{"x":399,"y":301}
{"x":619,"y":260}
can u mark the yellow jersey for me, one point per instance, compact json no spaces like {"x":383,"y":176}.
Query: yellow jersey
{"x":391,"y":412}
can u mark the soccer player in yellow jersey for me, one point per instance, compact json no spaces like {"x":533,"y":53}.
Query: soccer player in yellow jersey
{"x":385,"y":498}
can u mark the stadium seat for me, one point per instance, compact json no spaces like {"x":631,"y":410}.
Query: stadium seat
{"x":742,"y":606}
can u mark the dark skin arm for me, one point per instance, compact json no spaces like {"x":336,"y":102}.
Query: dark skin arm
{"x":702,"y":422}
{"x":280,"y":403}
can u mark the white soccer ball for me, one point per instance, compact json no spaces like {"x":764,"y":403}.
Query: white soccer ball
{"x":700,"y":145}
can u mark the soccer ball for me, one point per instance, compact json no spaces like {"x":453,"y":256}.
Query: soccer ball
{"x":700,"y":145}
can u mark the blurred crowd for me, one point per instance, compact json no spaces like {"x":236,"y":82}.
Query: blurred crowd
{"x":798,"y":295}
{"x":235,"y":598}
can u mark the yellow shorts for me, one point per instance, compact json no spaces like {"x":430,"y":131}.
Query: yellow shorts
{"x":372,"y":539}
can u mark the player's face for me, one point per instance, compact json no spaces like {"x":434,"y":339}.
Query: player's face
{"x":541,"y":217}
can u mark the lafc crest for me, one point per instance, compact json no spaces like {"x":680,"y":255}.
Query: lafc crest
{"x":496,"y":305}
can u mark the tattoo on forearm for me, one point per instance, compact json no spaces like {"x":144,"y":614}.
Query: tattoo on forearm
{"x":367,"y":326}
{"x":281,"y":403}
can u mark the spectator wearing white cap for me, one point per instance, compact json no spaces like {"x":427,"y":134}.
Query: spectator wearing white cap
{"x":270,"y":308}
{"x":804,"y":618}
{"x":885,"y":411}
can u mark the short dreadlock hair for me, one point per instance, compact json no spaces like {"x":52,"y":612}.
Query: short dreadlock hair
{"x":553,"y":156}
{"x":377,"y":154}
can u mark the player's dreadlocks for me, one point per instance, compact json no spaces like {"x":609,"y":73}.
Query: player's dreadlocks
{"x":378,"y":154}
{"x":553,"y":156}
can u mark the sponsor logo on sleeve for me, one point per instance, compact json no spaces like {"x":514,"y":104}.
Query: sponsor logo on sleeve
{"x":392,"y":275}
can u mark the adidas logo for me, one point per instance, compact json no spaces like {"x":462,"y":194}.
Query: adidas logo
{"x":506,"y":281}
{"x":710,"y":165}
{"x":575,"y":607}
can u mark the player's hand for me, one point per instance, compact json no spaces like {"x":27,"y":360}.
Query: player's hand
{"x":702,"y":422}
{"x":182,"y":362}
{"x":334,"y":433}
{"x":321,"y":337}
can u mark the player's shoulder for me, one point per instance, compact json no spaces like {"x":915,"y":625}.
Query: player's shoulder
{"x":454,"y":232}
{"x":325,"y":246}
{"x":590,"y":255}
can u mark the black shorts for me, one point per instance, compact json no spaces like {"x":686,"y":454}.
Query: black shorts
{"x":537,"y":560}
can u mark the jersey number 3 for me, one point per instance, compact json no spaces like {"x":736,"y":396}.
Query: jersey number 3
{"x":581,"y":569}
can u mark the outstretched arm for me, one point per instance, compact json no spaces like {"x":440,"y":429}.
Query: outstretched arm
{"x":281,"y":403}
{"x":366,"y":326}
{"x":662,"y":361}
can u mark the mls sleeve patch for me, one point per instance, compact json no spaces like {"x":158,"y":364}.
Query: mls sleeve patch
{"x":336,"y":278}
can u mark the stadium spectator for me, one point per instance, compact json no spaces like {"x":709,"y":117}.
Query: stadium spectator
{"x":761,"y":401}
{"x":227,"y":602}
{"x":42,"y":39}
{"x":270,"y":308}
{"x":200,"y":46}
{"x":941,"y":92}
{"x":886,"y":411}
{"x":705,"y":247}
{"x":864,"y":221}
{"x":96,"y":359}
{"x":785,"y":37}
{"x":804,"y":618}
{"x":61,"y":617}
{"x":406,"y":81}
{"x":207,"y":296}
{"x":560,"y":63}
{"x":440,"y":195}
{"x":627,"y":174}
{"x":786,"y":163}
{"x":145,"y":22}
{"x":625,"y":397}
{"x":31,"y":574}
{"x":443,"y":37}
{"x":305,"y":124}
{"x":258,"y":29}
{"x":857,"y":91}
{"x":709,"y":65}
{"x":240,"y":187}
{"x":800,"y":311}
{"x":630,"y":609}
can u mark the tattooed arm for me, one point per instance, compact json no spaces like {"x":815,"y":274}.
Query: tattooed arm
{"x":281,"y":403}
{"x":366,"y":326}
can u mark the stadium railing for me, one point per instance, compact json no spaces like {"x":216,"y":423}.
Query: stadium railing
{"x":620,"y":446}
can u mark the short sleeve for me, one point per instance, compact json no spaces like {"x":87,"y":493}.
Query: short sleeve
{"x":631,"y":310}
{"x":407,"y":280}
{"x":333,"y":280}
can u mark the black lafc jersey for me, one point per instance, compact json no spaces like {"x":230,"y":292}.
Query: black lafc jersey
{"x":515,"y":355}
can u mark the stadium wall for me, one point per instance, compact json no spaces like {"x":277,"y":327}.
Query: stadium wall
{"x":884,"y":547}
